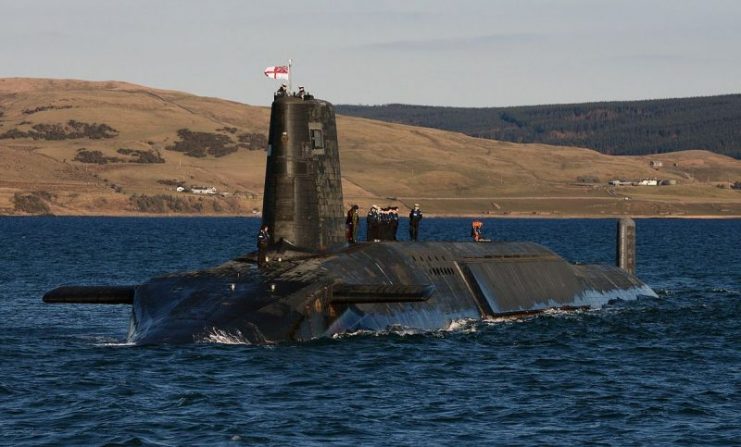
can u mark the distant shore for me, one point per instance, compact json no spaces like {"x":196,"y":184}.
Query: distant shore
{"x":428,"y":216}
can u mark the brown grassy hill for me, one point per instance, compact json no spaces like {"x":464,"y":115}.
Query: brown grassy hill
{"x":78,"y":147}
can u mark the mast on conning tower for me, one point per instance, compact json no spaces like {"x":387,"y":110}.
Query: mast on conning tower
{"x":290,"y":86}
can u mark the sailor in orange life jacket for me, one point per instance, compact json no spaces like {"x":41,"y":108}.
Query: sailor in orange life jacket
{"x":476,"y":230}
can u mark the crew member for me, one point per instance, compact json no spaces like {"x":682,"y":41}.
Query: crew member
{"x":372,"y":221}
{"x":352,"y":223}
{"x":383,"y":224}
{"x":476,"y":230}
{"x":394,"y":221}
{"x":282,"y":91}
{"x":263,"y":239}
{"x":301,"y":91}
{"x":415,"y":216}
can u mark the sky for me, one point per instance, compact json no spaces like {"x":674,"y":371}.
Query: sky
{"x":473,"y":53}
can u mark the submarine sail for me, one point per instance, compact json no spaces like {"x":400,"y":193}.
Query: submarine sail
{"x":302,"y":204}
{"x":321,"y":286}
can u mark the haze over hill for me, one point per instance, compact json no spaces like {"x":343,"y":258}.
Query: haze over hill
{"x":620,"y":128}
{"x":114,"y":148}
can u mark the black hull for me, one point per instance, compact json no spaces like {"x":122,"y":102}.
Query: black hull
{"x":373,"y":287}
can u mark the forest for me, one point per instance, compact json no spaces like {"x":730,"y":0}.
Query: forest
{"x":620,"y":128}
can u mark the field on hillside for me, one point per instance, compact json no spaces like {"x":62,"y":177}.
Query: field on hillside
{"x":112,"y":148}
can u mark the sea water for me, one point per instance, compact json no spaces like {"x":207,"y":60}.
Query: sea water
{"x":656,"y":371}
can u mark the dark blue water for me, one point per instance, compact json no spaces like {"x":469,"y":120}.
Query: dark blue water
{"x":663,"y":371}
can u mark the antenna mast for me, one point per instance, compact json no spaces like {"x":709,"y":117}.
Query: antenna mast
{"x":290,"y":86}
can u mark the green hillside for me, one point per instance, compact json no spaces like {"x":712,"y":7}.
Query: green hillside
{"x":620,"y":128}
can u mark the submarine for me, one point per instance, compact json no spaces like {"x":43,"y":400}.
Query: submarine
{"x":315,"y":284}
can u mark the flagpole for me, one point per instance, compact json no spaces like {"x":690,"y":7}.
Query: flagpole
{"x":290,"y":87}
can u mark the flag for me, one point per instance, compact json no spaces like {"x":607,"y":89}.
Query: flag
{"x":280,"y":72}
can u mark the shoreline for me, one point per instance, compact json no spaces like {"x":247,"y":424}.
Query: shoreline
{"x":428,"y":216}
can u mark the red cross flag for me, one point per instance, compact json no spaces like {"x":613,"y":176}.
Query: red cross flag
{"x":280,"y":72}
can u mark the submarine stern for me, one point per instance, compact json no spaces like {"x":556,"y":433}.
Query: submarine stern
{"x":468,"y":280}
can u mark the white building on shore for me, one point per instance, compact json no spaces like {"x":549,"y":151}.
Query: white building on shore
{"x":203,"y":190}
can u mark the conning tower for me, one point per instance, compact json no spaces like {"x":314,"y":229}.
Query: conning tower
{"x":303,"y":186}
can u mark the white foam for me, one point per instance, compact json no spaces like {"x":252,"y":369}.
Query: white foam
{"x":595,"y":299}
{"x":507,"y":319}
{"x":222,"y":337}
{"x":361,"y":332}
{"x":724,"y":290}
{"x":399,"y":331}
{"x":465,"y":325}
{"x":112,"y":342}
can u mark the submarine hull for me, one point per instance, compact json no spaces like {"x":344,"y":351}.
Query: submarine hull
{"x":369,"y":287}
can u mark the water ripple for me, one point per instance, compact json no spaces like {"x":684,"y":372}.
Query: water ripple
{"x":656,"y":371}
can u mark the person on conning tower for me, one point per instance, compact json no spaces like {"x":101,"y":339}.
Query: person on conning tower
{"x":476,"y":226}
{"x":372,"y":224}
{"x":415,"y":216}
{"x":394,"y":222}
{"x":263,"y":239}
{"x":383,"y":220}
{"x":352,"y":223}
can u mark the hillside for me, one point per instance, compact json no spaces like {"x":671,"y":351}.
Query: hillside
{"x":620,"y":128}
{"x":113,"y":148}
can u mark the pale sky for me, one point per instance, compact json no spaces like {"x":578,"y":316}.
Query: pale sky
{"x":452,"y":53}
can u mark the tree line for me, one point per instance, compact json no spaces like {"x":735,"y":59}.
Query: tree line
{"x":620,"y":128}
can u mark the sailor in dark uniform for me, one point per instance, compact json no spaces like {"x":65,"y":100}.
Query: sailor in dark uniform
{"x":263,"y":239}
{"x":394,"y":221}
{"x":352,"y":223}
{"x":384,"y":226}
{"x":415,"y":216}
{"x":373,"y":221}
